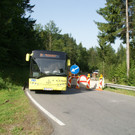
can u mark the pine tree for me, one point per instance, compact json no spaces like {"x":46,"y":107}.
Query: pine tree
{"x":17,"y":35}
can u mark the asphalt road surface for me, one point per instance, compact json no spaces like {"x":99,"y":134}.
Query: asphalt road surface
{"x":87,"y":112}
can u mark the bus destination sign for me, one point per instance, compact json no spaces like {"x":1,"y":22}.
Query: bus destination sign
{"x":49,"y":55}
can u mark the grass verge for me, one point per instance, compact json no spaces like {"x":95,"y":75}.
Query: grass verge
{"x":121,"y":91}
{"x":18,"y":116}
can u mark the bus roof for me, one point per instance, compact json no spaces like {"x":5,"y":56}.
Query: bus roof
{"x":48,"y":54}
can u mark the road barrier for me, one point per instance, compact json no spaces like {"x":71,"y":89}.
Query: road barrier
{"x":120,"y":86}
{"x":69,"y":81}
{"x":100,"y":83}
{"x":71,"y":77}
{"x":83,"y":81}
{"x":88,"y":82}
{"x":79,"y":81}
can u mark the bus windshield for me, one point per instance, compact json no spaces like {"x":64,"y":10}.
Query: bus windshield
{"x":42,"y":67}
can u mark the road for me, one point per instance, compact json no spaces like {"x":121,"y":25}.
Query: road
{"x":87,"y":112}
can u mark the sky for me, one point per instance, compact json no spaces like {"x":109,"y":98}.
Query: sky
{"x":75,"y":17}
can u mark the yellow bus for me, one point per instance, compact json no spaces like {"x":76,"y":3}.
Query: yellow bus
{"x":48,"y":70}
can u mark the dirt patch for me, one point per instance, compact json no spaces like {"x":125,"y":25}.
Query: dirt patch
{"x":47,"y":128}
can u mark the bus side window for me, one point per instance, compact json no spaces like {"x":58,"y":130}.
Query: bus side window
{"x":34,"y":69}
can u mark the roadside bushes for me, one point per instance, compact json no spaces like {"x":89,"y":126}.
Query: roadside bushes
{"x":2,"y":84}
{"x":131,"y":80}
{"x":118,"y":74}
{"x":13,"y":76}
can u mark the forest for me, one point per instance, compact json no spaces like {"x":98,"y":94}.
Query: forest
{"x":20,"y":34}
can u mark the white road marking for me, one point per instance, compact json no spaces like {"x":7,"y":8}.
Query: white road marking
{"x":45,"y":111}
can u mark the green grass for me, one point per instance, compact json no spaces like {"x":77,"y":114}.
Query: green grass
{"x":121,"y":91}
{"x":17,"y":116}
{"x":13,"y":110}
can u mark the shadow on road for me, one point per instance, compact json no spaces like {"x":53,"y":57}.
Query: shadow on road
{"x":68,"y":92}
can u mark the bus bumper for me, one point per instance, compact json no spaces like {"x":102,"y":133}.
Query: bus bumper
{"x":48,"y":83}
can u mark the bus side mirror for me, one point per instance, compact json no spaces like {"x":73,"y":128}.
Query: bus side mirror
{"x":27,"y":57}
{"x":68,"y":62}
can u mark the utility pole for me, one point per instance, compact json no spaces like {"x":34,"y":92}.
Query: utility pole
{"x":127,"y":41}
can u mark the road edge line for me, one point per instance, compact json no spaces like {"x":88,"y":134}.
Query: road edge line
{"x":45,"y":111}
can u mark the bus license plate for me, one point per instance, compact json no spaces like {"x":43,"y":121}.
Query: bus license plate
{"x":48,"y":89}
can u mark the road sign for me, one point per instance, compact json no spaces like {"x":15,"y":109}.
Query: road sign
{"x":74,"y":69}
{"x":83,"y":79}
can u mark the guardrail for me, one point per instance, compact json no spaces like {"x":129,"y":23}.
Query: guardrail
{"x":120,"y":86}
